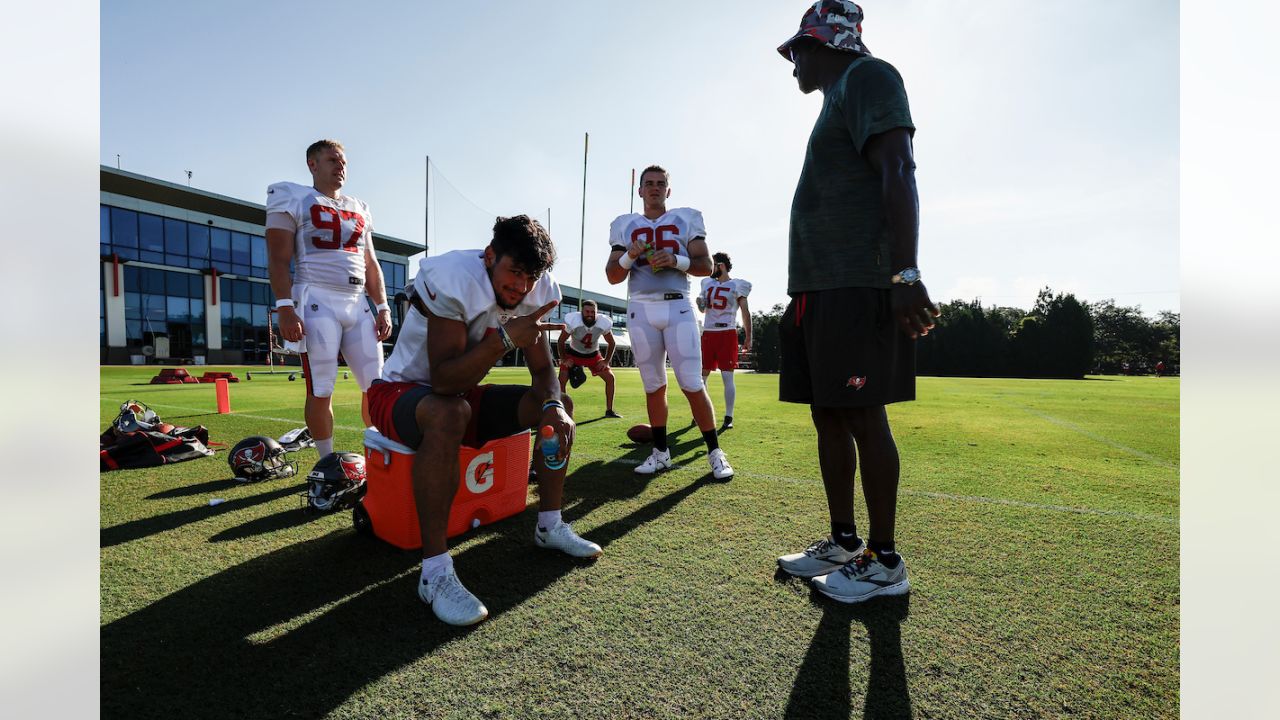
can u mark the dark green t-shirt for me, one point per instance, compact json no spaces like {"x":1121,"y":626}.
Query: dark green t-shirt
{"x":838,"y":234}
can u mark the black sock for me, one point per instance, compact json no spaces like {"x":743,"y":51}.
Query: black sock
{"x":660,"y":437}
{"x":885,"y":552}
{"x":845,"y":535}
{"x":712,"y":440}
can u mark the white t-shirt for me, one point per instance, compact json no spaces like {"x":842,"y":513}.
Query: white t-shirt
{"x":456,"y":286}
{"x":330,"y":238}
{"x":673,"y":232}
{"x":722,"y":302}
{"x":586,"y":340}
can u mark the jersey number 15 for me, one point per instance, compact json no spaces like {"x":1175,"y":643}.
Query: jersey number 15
{"x":717,"y":298}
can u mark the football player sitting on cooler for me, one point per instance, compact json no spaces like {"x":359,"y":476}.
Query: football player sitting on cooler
{"x":720,"y":299}
{"x":582,"y":333}
{"x":470,"y":308}
{"x":655,"y":252}
{"x":329,"y":238}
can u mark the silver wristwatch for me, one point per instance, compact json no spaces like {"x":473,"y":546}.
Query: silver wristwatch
{"x":906,"y":276}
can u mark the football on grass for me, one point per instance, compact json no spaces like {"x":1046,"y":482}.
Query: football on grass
{"x":640,"y":433}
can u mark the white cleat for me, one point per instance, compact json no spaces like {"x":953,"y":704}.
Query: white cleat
{"x":659,"y":460}
{"x":451,"y":602}
{"x":720,"y":466}
{"x":563,"y":538}
{"x":820,"y":558}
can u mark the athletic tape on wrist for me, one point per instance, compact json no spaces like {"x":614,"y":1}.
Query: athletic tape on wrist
{"x":383,"y":306}
{"x":283,"y":303}
{"x":626,"y":261}
{"x":683,"y":262}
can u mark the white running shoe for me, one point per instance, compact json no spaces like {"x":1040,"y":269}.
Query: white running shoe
{"x":451,"y":602}
{"x":563,"y":538}
{"x":820,"y":558}
{"x":864,"y":578}
{"x":659,"y":460}
{"x":720,"y":466}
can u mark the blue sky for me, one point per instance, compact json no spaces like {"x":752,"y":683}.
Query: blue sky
{"x":1047,"y":140}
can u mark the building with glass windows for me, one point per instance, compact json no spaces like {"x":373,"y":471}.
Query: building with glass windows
{"x":184,"y":274}
{"x":184,"y":277}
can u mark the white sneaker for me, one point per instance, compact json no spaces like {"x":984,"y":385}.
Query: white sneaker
{"x":563,"y":538}
{"x":820,"y":558}
{"x":864,"y":578}
{"x":450,"y":601}
{"x":659,"y":460}
{"x":720,"y":466}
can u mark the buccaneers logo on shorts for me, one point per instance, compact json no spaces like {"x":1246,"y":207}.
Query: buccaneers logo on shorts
{"x":856,"y":382}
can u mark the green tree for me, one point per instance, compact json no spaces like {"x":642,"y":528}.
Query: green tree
{"x":765,"y":345}
{"x":1056,"y":339}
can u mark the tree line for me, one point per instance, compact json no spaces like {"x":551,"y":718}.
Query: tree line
{"x":1060,"y":337}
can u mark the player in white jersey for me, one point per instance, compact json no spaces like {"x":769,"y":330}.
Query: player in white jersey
{"x":471,"y":308}
{"x":721,"y":298}
{"x":579,"y":346}
{"x":329,"y":238}
{"x":655,"y":252}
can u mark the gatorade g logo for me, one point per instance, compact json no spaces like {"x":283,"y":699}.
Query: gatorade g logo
{"x":480,"y":473}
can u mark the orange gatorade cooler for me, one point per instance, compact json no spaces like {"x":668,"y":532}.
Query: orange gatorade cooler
{"x":493,"y":484}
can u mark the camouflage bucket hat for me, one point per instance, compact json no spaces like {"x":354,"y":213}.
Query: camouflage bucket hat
{"x":834,"y":23}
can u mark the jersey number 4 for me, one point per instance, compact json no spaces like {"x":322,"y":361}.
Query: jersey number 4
{"x":658,"y":237}
{"x":327,"y":218}
{"x":717,"y":298}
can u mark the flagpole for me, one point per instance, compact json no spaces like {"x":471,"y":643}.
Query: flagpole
{"x":582,"y":238}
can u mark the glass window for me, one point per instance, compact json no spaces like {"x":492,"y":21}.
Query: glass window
{"x":133,"y":306}
{"x":197,"y":311}
{"x":104,"y":235}
{"x":176,"y":284}
{"x":153,"y":281}
{"x":226,"y":312}
{"x":154,"y":309}
{"x":179,"y":309}
{"x":259,"y":272}
{"x":241,"y":312}
{"x":240,"y":254}
{"x":259,"y":315}
{"x":195,"y":286}
{"x":153,"y":257}
{"x":260,"y":293}
{"x":242,"y":270}
{"x":133,"y":331}
{"x":151,"y":232}
{"x":175,"y":237}
{"x":132,"y":281}
{"x":240,"y":291}
{"x":220,"y":244}
{"x":258,"y":251}
{"x":124,"y":228}
{"x":198,"y":242}
{"x":221,"y":266}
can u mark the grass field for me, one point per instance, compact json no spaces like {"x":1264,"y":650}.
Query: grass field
{"x":1039,"y":520}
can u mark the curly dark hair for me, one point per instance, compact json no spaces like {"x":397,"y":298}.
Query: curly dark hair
{"x":525,"y":241}
{"x":720,"y":257}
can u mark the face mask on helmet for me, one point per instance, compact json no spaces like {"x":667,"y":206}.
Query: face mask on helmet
{"x":336,"y":482}
{"x":259,"y":458}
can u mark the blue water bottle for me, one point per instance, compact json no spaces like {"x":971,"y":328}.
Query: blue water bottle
{"x":551,"y":448}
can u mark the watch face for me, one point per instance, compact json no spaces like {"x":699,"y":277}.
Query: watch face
{"x":910,"y":275}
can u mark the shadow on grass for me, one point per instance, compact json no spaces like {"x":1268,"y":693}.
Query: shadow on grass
{"x":143,"y":527}
{"x":293,"y":633}
{"x":282,"y":520}
{"x":197,"y":489}
{"x":822,"y":688}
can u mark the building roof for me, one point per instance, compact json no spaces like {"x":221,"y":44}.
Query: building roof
{"x":142,"y":187}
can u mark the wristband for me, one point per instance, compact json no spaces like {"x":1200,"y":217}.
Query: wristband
{"x":683,"y":262}
{"x":506,"y":341}
{"x":286,"y":302}
{"x":383,"y":306}
{"x":626,"y":261}
{"x":552,"y":403}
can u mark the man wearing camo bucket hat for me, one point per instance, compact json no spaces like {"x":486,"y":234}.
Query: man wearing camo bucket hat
{"x":857,"y":303}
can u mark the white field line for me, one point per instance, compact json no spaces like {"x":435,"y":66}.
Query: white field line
{"x":1146,"y":517}
{"x":915,"y":493}
{"x":295,"y":422}
{"x":1094,"y":436}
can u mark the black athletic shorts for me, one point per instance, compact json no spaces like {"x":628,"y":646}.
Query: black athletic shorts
{"x":842,"y":348}
{"x":495,"y":411}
